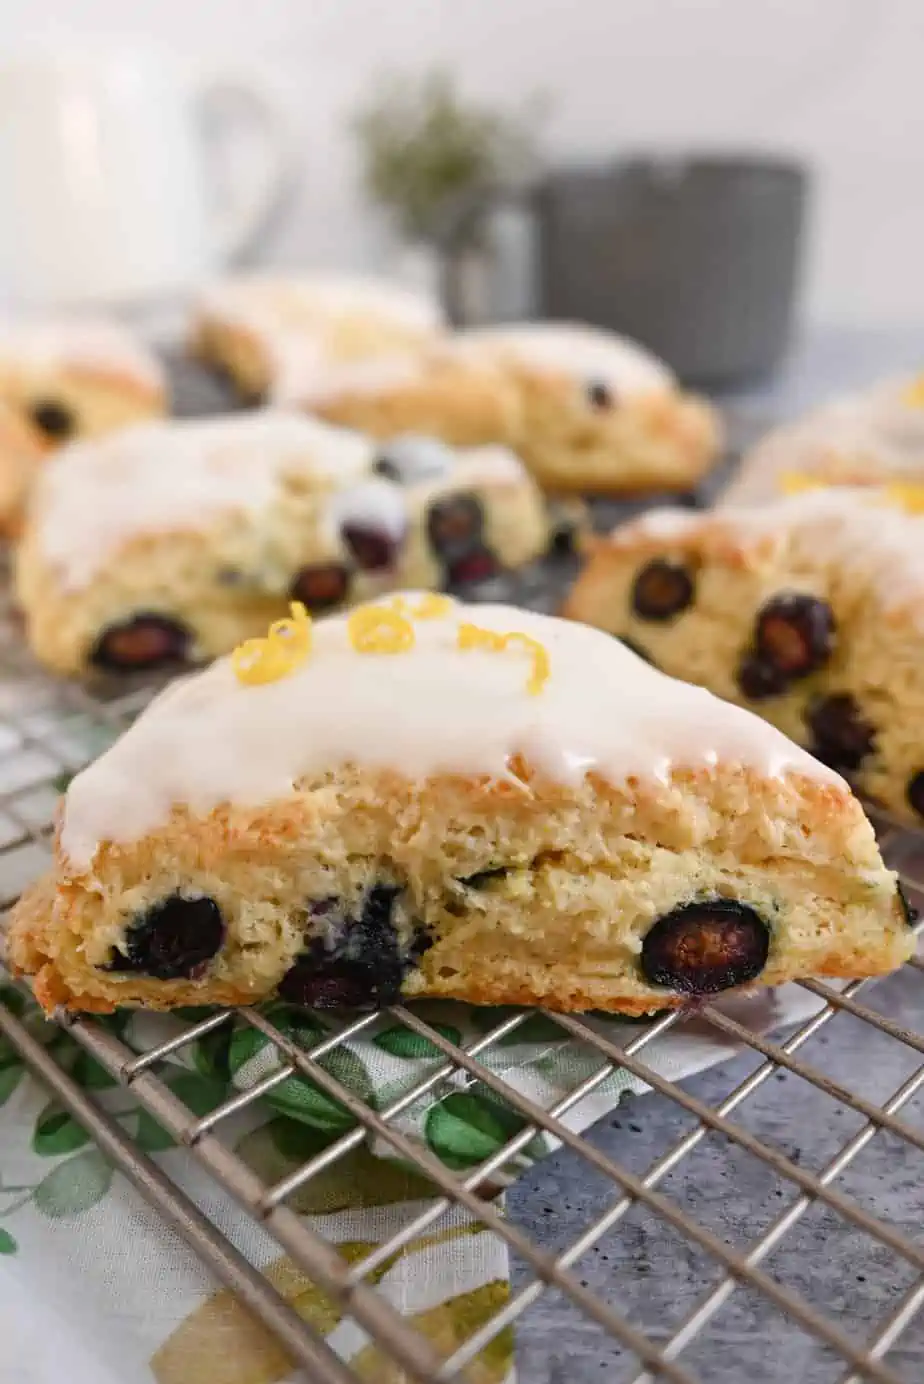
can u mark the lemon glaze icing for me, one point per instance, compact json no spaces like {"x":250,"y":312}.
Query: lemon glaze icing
{"x":271,"y":305}
{"x":585,"y":354}
{"x":43,"y":344}
{"x":436,"y":707}
{"x":178,"y":474}
{"x":571,"y":348}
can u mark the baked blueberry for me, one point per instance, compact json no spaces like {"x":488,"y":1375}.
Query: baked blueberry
{"x":455,"y":526}
{"x":146,"y":640}
{"x":476,"y":566}
{"x":600,"y":395}
{"x":53,"y":418}
{"x":360,"y":964}
{"x":758,"y":679}
{"x":701,"y":948}
{"x":795,"y":633}
{"x":662,"y":589}
{"x":374,"y":550}
{"x":174,"y":939}
{"x":915,"y":791}
{"x":321,"y":587}
{"x":841,"y":735}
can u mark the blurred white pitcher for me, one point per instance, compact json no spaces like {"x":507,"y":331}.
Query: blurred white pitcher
{"x":105,"y":193}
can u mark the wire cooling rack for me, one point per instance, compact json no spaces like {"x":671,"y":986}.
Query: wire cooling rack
{"x":48,"y":729}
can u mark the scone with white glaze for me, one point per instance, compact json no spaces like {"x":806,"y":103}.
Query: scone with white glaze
{"x":425,"y":798}
{"x":62,"y":380}
{"x":872,"y":437}
{"x":264,"y":329}
{"x":809,"y":610}
{"x":174,"y":541}
{"x":588,"y":411}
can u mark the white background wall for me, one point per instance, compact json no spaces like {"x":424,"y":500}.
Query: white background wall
{"x":839,"y":81}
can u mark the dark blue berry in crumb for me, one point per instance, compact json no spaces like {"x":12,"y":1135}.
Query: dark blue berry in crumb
{"x":841,"y":735}
{"x":473,"y":567}
{"x":54,"y":419}
{"x":361,"y":965}
{"x":173,"y":940}
{"x":455,"y":526}
{"x":321,"y":587}
{"x":701,"y":948}
{"x":662,"y":589}
{"x":794,"y":634}
{"x":146,"y":640}
{"x":759,"y":680}
{"x":372,"y":549}
{"x":600,"y":395}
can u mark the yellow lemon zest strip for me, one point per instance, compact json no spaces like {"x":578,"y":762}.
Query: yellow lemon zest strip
{"x":908,"y":495}
{"x":285,"y":648}
{"x":913,"y":395}
{"x":377,"y":630}
{"x":794,"y":483}
{"x":473,"y":637}
{"x":430,"y":607}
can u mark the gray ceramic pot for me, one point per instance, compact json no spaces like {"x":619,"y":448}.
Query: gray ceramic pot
{"x":698,"y":257}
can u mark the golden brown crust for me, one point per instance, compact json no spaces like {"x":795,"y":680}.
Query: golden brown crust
{"x":586,"y":872}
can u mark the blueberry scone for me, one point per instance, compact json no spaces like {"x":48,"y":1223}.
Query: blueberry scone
{"x":871,"y":437}
{"x":264,"y":330}
{"x":65,"y":380}
{"x":425,"y":798}
{"x":806,"y":609}
{"x":175,"y":540}
{"x":588,"y":411}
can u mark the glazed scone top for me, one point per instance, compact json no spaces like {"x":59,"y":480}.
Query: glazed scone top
{"x":571,"y":348}
{"x":856,"y":528}
{"x":177,"y":474}
{"x":584,"y":354}
{"x":880,"y":427}
{"x":567,"y":697}
{"x":266,"y":303}
{"x":41,"y":346}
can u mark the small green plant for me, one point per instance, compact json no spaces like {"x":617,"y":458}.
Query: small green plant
{"x":427,"y":151}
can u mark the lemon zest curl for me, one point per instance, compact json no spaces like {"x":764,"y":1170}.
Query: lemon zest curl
{"x":378,"y":630}
{"x":285,"y":648}
{"x":474,"y":637}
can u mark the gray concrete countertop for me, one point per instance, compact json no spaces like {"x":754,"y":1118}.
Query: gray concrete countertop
{"x":649,"y":1273}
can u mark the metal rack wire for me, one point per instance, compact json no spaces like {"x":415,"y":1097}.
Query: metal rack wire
{"x":47,"y":729}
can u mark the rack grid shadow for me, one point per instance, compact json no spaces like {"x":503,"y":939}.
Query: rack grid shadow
{"x":49,"y":729}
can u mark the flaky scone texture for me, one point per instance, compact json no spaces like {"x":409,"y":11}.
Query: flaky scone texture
{"x":854,"y":568}
{"x":660,"y":440}
{"x":523,"y":891}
